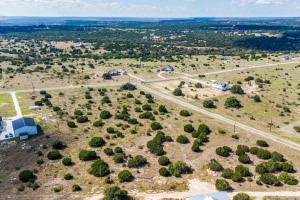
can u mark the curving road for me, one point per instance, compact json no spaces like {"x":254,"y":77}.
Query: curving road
{"x":221,"y":118}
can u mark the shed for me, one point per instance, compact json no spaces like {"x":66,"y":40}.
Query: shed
{"x":24,"y":126}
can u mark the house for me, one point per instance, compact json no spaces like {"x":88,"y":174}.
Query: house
{"x":24,"y":127}
{"x":212,"y":196}
{"x":117,"y":72}
{"x":289,"y":57}
{"x":220,"y":85}
{"x":34,"y":108}
{"x":167,"y":68}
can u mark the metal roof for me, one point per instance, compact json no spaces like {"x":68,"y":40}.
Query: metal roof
{"x":214,"y":196}
{"x":22,"y":122}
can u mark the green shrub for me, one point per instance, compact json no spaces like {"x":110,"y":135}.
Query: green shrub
{"x":68,"y":176}
{"x":110,"y":130}
{"x":262,"y":143}
{"x":178,"y":168}
{"x":237,"y":177}
{"x":67,"y":161}
{"x":26,"y":176}
{"x":237,"y":89}
{"x":98,"y":123}
{"x":222,"y":185}
{"x":227,"y":173}
{"x":108,"y":151}
{"x":196,"y":147}
{"x":54,"y":155}
{"x":71,"y":124}
{"x":125,"y":176}
{"x":177,"y":92}
{"x":128,"y":86}
{"x":261,"y":169}
{"x":208,"y":104}
{"x":223,"y":151}
{"x":58,"y":145}
{"x":244,"y":171}
{"x":115,"y":193}
{"x":156,"y":126}
{"x":76,"y":188}
{"x":164,"y":161}
{"x":82,"y":119}
{"x":147,"y":107}
{"x":137,"y":161}
{"x":253,"y":150}
{"x":99,"y":168}
{"x":97,"y":142}
{"x":214,"y":165}
{"x":105,"y":114}
{"x":245,"y":159}
{"x":287,"y":167}
{"x":162,"y":109}
{"x":182,"y":139}
{"x":241,"y":150}
{"x":164,"y":172}
{"x":256,"y":99}
{"x":189,"y":128}
{"x":184,"y":113}
{"x":203,"y":128}
{"x":119,"y":158}
{"x":147,"y":115}
{"x":241,"y":196}
{"x":287,"y":179}
{"x":86,"y":155}
{"x":118,"y":150}
{"x":277,"y":157}
{"x":297,"y":129}
{"x":232,"y":102}
{"x":263,"y":154}
{"x":268,"y":179}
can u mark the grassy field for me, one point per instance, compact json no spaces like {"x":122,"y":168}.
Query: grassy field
{"x":50,"y":174}
{"x":7,"y":108}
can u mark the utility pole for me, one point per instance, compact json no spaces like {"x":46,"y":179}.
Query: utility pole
{"x":234,"y":127}
{"x":271,"y":124}
{"x":33,"y":89}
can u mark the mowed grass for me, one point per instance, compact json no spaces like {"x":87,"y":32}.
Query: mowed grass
{"x":7,"y":108}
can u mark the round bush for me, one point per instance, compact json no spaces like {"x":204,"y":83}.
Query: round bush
{"x":26,"y":176}
{"x":262,"y":143}
{"x":118,"y":150}
{"x":244,"y":171}
{"x":203,"y":128}
{"x":108,"y":151}
{"x":164,"y":161}
{"x":268,"y":179}
{"x":245,"y":159}
{"x":97,"y":142}
{"x":164,"y":172}
{"x":76,"y":188}
{"x":227,"y":173}
{"x":263,"y":154}
{"x":182,"y":139}
{"x":98,"y":123}
{"x":178,"y":168}
{"x":162,"y":109}
{"x":115,"y":193}
{"x":185,"y":113}
{"x":105,"y":114}
{"x":86,"y":155}
{"x":99,"y":168}
{"x":237,"y":177}
{"x":119,"y":158}
{"x":241,"y":196}
{"x":68,"y":176}
{"x":57,"y":145}
{"x":253,"y":150}
{"x":71,"y":124}
{"x":232,"y":102}
{"x":189,"y":128}
{"x":288,"y":179}
{"x":54,"y":155}
{"x":177,"y":92}
{"x":223,"y":151}
{"x":241,"y":150}
{"x":156,"y":126}
{"x":208,"y":104}
{"x":222,"y":185}
{"x":137,"y":161}
{"x":125,"y":176}
{"x":67,"y":161}
{"x":237,"y":89}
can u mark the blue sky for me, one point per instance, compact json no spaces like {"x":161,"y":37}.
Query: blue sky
{"x":151,"y":8}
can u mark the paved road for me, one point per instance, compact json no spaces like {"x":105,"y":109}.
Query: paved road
{"x":16,"y":103}
{"x":64,"y":87}
{"x":221,"y":118}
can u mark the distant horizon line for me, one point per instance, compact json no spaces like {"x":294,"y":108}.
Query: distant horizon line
{"x":15,"y":16}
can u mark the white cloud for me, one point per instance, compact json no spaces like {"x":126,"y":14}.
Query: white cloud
{"x":259,"y":2}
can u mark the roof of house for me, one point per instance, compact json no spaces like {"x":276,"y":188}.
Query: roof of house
{"x":212,"y":196}
{"x":22,"y":122}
